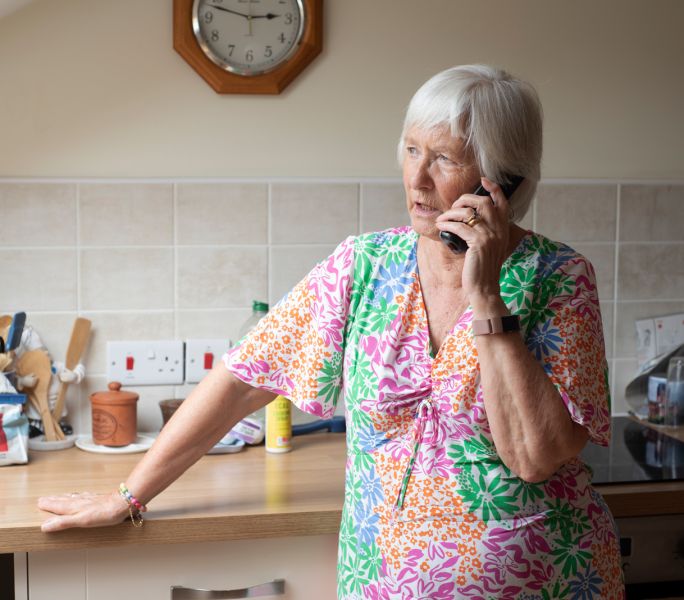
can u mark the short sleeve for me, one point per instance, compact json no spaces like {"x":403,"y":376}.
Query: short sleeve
{"x":567,"y":339}
{"x":297,"y":349}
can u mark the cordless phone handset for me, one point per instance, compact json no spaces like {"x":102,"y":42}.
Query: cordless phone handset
{"x":456,"y":243}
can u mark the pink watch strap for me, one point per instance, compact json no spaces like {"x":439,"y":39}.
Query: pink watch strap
{"x":496,"y":325}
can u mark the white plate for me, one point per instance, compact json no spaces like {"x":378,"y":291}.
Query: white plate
{"x":141,"y":444}
{"x":40,"y":443}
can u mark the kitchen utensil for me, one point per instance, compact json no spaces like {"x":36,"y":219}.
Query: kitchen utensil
{"x":79,"y":338}
{"x":5,"y":322}
{"x":115,"y":419}
{"x":334,"y":425}
{"x":15,"y":331}
{"x":38,"y":363}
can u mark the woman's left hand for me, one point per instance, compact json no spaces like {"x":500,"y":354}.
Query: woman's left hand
{"x":487,"y":238}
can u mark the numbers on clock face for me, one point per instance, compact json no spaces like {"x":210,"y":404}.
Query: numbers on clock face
{"x":248,"y":37}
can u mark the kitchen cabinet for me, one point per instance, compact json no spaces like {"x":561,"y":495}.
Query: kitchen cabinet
{"x":307,"y":564}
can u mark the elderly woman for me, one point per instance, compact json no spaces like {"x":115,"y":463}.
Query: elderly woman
{"x":471,"y":379}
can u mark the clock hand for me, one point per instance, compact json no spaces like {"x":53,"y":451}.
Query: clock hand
{"x":249,"y":16}
{"x":268,"y":16}
{"x":228,"y":10}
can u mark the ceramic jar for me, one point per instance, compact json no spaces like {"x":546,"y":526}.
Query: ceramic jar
{"x":114,"y":416}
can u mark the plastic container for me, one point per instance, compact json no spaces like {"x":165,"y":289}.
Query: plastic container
{"x":114,"y":416}
{"x":259,"y":310}
{"x":279,"y":425}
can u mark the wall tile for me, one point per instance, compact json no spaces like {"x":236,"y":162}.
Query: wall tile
{"x":607,"y":311}
{"x":126,"y":278}
{"x":212,"y":324}
{"x":221,"y":277}
{"x":527,"y":222}
{"x":623,"y":371}
{"x":129,"y":293}
{"x":313,"y":213}
{"x":651,"y":271}
{"x":577,"y":212}
{"x":290,"y":264}
{"x":602,"y":257}
{"x":628,"y":312}
{"x":652,"y":213}
{"x":35,"y":280}
{"x":383,"y":205}
{"x":126,"y":214}
{"x":222,"y":213}
{"x":38,"y":214}
{"x":111,"y":326}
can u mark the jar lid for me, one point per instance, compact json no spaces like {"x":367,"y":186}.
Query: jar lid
{"x":114,"y":395}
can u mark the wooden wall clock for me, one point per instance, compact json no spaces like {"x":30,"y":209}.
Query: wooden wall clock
{"x":248,"y":46}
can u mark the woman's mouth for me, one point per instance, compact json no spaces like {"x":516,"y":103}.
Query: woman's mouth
{"x":424,"y":210}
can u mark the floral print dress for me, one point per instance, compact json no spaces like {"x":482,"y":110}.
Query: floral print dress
{"x":430,"y":510}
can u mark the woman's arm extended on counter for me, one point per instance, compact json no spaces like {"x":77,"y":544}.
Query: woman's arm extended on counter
{"x":212,"y":409}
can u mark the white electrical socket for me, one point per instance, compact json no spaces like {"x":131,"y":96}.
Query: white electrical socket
{"x":145,"y":363}
{"x":201,"y":356}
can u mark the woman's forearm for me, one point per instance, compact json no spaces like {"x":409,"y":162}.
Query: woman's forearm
{"x":212,"y":409}
{"x":531,"y":427}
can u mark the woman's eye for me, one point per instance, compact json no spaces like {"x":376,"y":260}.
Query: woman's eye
{"x":444,"y":158}
{"x":411,"y":150}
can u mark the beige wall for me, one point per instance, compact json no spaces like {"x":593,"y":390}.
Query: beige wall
{"x":94,"y":88}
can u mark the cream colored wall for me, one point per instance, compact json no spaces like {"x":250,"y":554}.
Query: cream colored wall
{"x":93,"y":88}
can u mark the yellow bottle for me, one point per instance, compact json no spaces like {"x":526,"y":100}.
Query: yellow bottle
{"x":279,"y":425}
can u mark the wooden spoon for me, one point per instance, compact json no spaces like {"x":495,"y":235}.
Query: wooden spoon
{"x":38,"y":363}
{"x":79,"y":338}
{"x":5,"y":322}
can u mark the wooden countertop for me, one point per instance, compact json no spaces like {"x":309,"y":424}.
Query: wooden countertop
{"x":249,"y":494}
{"x":246,"y":495}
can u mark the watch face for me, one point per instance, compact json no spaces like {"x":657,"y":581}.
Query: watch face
{"x":248,"y":37}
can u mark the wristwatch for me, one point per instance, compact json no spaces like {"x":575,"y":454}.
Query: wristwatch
{"x":496,"y":325}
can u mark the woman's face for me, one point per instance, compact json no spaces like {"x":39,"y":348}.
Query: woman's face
{"x":437,"y":170}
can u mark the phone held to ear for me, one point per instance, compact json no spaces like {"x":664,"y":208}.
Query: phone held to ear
{"x":456,"y":243}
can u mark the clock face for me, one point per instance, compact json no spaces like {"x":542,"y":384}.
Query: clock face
{"x":248,"y":37}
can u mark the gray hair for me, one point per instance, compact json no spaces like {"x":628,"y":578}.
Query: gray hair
{"x":498,"y":117}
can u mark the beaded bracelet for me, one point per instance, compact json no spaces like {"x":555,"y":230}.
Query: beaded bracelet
{"x":133,"y":503}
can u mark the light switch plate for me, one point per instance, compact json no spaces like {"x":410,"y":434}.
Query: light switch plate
{"x":158,"y":362}
{"x":201,"y":356}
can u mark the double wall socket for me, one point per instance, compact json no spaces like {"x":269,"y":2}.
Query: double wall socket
{"x":201,"y":356}
{"x":145,"y":363}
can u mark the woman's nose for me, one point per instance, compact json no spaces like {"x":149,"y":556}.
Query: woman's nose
{"x":420,"y":176}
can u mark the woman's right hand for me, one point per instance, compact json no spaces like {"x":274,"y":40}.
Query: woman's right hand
{"x":83,"y":509}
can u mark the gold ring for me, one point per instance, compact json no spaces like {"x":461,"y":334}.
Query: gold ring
{"x":472,"y":221}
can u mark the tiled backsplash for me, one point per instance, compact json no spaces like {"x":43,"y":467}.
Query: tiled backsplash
{"x":176,"y":260}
